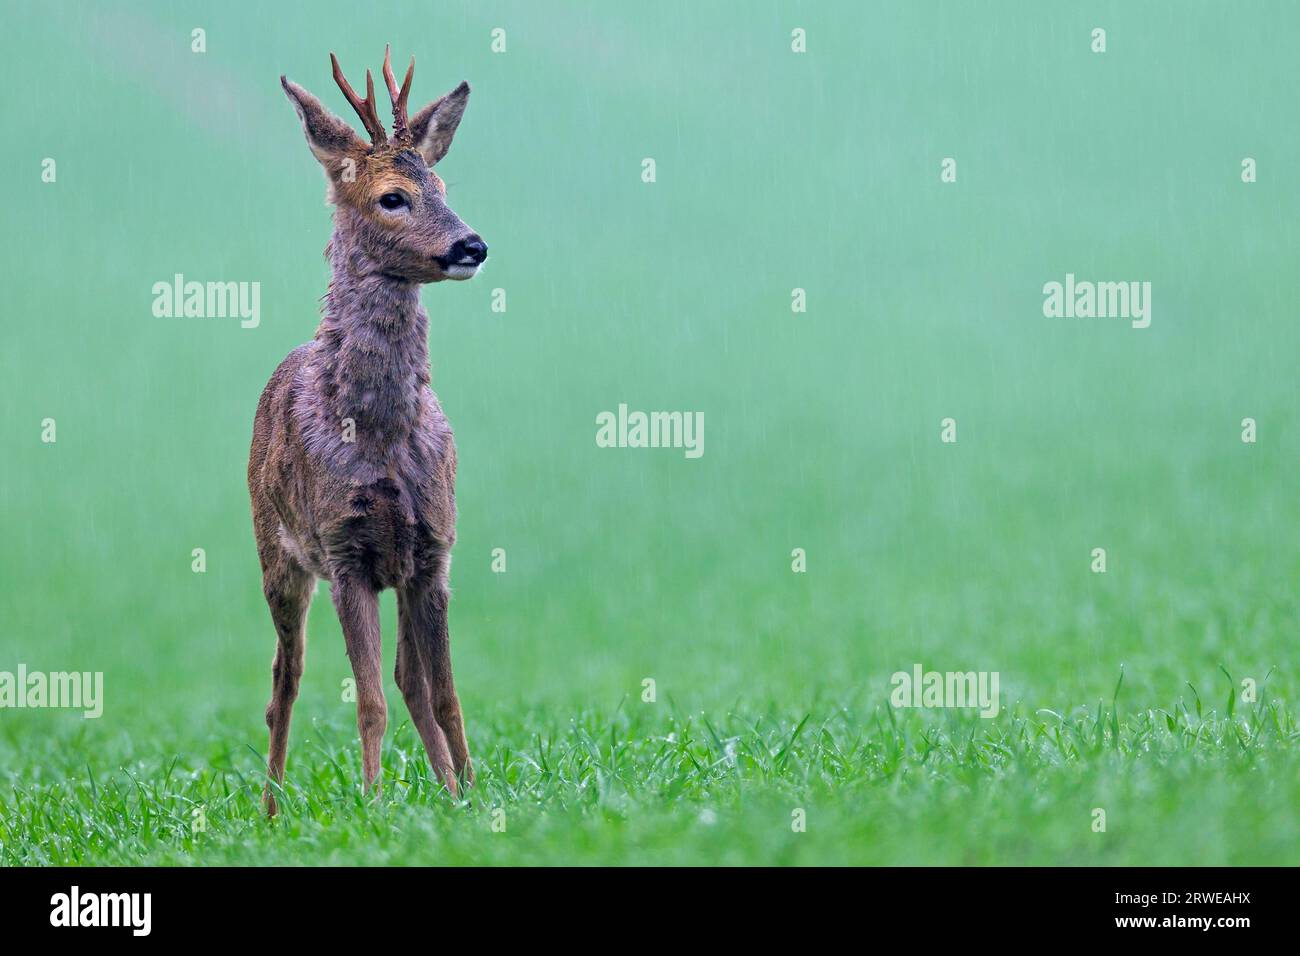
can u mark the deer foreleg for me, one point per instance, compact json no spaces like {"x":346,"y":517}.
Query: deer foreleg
{"x":358,"y":609}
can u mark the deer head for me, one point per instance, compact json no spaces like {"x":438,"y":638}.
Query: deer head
{"x":390,"y":206}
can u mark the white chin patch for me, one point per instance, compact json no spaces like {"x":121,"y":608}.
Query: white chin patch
{"x":460,"y":271}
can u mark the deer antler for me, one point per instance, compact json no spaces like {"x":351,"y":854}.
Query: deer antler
{"x":366,"y":108}
{"x":401,"y":125}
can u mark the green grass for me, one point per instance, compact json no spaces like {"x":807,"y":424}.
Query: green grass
{"x":775,"y":171}
{"x":650,"y":785}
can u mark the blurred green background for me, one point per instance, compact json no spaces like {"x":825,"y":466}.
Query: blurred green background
{"x":775,"y":170}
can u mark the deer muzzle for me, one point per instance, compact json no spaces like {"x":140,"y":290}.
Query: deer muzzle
{"x":464,"y":257}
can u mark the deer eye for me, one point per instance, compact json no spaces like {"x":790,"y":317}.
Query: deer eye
{"x":392,"y":200}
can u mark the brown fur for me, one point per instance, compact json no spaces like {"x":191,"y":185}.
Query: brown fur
{"x":377,"y":511}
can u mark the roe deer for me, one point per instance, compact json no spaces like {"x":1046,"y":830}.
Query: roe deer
{"x":352,"y":466}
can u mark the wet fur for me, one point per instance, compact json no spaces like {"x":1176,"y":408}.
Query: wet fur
{"x":378,"y":511}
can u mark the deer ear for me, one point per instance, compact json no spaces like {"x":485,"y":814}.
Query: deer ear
{"x":331,"y":140}
{"x":435,"y":125}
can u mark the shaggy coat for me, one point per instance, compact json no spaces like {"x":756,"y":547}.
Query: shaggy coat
{"x":352,"y":468}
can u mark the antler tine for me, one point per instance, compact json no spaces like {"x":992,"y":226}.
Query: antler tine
{"x":401,"y":125}
{"x":367,"y":108}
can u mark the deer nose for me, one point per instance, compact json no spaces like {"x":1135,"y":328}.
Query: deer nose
{"x":472,"y":247}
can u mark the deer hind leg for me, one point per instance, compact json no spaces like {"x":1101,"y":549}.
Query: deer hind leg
{"x":358,"y":609}
{"x":288,"y":594}
{"x":424,"y":674}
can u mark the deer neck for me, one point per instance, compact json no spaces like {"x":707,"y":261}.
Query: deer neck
{"x":372,"y":352}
